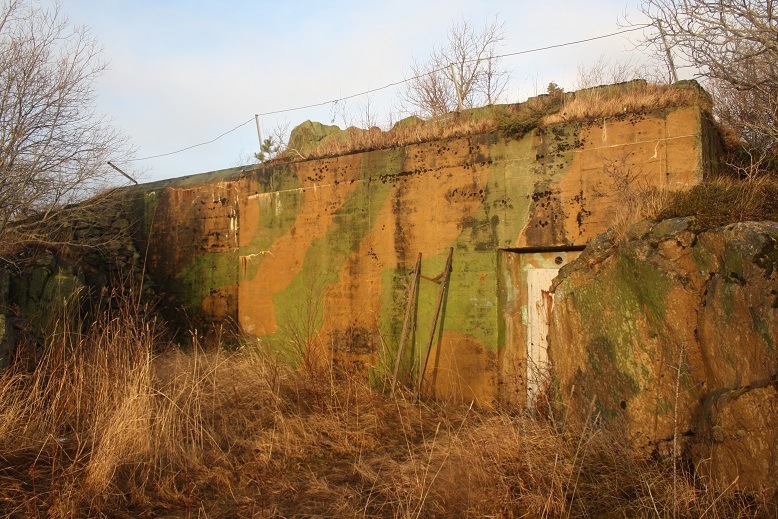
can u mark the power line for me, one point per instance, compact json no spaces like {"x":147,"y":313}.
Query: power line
{"x":390,"y":85}
{"x":396,"y":83}
{"x":193,"y":145}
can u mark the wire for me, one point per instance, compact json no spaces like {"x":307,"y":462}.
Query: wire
{"x":529,"y":51}
{"x":192,"y":146}
{"x":394,"y":84}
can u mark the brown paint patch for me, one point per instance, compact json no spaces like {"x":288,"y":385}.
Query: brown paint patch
{"x":322,"y":197}
{"x":425,"y":211}
{"x":189,"y":223}
{"x":657,"y":151}
{"x":417,"y":216}
{"x":220,"y":303}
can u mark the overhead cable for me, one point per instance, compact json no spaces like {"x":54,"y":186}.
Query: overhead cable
{"x":390,"y":85}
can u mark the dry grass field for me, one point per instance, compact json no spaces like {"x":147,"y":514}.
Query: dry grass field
{"x":116,"y":421}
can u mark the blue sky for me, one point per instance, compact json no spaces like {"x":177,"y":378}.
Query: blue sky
{"x":182,"y":73}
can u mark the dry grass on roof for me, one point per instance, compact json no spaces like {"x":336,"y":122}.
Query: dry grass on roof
{"x":357,"y":140}
{"x":632,"y":98}
{"x":514,"y":120}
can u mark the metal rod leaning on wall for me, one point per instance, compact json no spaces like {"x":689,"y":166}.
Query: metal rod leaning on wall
{"x":443,"y":282}
{"x":122,"y":172}
{"x":408,"y":306}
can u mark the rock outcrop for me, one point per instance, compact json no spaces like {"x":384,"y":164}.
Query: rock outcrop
{"x":675,"y":332}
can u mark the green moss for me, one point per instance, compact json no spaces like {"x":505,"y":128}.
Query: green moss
{"x":518,"y":120}
{"x":762,"y":327}
{"x":150,"y":201}
{"x":38,"y":278}
{"x":727,"y":299}
{"x":767,"y":258}
{"x":59,"y":288}
{"x":645,"y":286}
{"x":732,"y":265}
{"x":703,"y":258}
{"x":305,"y":137}
{"x":611,"y":306}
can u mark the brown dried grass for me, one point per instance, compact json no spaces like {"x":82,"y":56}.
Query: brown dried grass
{"x":625,"y":99}
{"x":105,"y":427}
{"x":723,"y":200}
{"x":357,"y":140}
{"x":592,"y":103}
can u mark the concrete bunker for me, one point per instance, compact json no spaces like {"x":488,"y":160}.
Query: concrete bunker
{"x":317,"y":255}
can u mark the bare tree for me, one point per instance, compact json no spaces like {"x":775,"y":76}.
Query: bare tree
{"x":608,"y":72}
{"x":734,"y":46}
{"x":54,"y":146}
{"x":463,"y":73}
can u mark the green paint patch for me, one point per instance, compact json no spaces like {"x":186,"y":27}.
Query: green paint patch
{"x":277,"y":212}
{"x":507,"y":191}
{"x":326,"y":255}
{"x":203,"y":274}
{"x":395,"y":285}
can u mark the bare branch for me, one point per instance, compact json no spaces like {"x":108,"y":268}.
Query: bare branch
{"x":465,"y":67}
{"x":734,"y":45}
{"x":54,"y":146}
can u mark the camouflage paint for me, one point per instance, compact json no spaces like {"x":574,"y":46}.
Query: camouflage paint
{"x":317,"y":254}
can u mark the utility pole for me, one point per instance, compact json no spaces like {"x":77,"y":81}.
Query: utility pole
{"x":668,"y":52}
{"x":122,"y":172}
{"x":259,"y":133}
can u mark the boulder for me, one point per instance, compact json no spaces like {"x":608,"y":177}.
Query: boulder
{"x":650,"y":325}
{"x":305,"y":138}
{"x":736,"y":441}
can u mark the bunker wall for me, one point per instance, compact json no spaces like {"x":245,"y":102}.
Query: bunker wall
{"x":314,"y":257}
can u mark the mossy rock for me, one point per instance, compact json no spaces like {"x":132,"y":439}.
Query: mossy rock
{"x":408,"y":122}
{"x":305,"y":138}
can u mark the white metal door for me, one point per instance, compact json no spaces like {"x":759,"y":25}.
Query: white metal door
{"x":538,"y":316}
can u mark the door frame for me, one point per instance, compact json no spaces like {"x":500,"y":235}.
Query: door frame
{"x":518,"y":387}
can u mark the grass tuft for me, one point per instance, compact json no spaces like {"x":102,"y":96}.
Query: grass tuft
{"x":630,"y":98}
{"x":723,"y":201}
